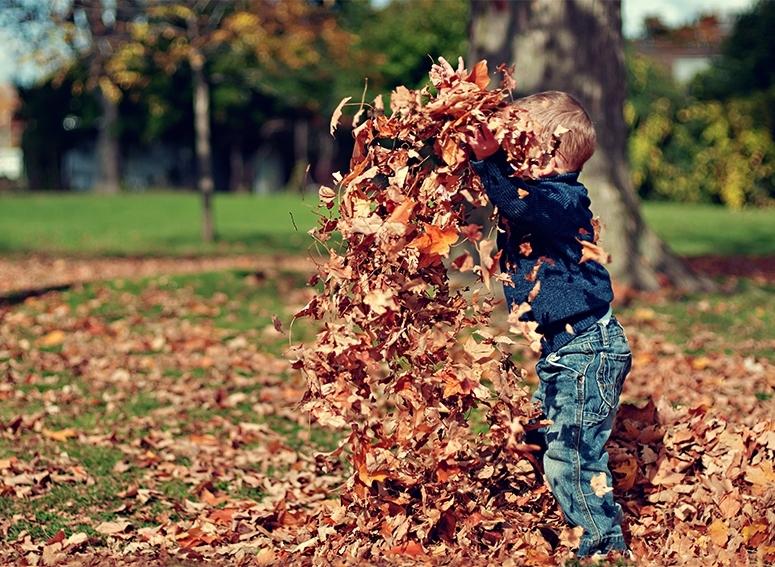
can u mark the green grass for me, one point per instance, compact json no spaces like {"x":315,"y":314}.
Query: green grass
{"x":153,"y":223}
{"x":695,"y":230}
{"x":168,"y":223}
{"x":741,"y":319}
{"x":245,"y":307}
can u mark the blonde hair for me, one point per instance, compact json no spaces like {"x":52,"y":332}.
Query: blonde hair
{"x":551,"y":110}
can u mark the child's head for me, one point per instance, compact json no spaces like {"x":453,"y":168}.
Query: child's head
{"x":552,"y":109}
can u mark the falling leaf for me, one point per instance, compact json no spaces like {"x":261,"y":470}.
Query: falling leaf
{"x":402,"y":212}
{"x":488,"y":263}
{"x":590,"y":251}
{"x":277,"y":324}
{"x":435,"y":240}
{"x":337,"y":114}
{"x":480,"y":75}
{"x":534,"y":291}
{"x":327,"y":196}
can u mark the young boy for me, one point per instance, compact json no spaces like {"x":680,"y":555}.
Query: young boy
{"x":585,"y":355}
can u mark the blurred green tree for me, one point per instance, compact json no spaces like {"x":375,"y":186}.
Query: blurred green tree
{"x":407,"y":36}
{"x":289,"y":50}
{"x":715,"y":141}
{"x":59,"y":35}
{"x":746,"y":64}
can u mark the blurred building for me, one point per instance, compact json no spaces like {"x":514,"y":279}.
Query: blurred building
{"x":10,"y":136}
{"x":686,"y":50}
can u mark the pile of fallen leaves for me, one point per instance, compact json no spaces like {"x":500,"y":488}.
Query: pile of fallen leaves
{"x":404,"y":361}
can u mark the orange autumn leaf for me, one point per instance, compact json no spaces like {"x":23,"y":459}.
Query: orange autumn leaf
{"x":222,"y":516}
{"x":718,"y":532}
{"x":410,"y":548}
{"x":53,"y":338}
{"x":60,"y":435}
{"x":402,"y":212}
{"x":628,"y":469}
{"x":590,"y":251}
{"x":435,"y":240}
{"x":480,"y":75}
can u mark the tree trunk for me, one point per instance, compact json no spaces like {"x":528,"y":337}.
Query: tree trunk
{"x":237,"y":168}
{"x":202,"y":140}
{"x":577,"y":46}
{"x":107,"y":146}
{"x":298,"y":179}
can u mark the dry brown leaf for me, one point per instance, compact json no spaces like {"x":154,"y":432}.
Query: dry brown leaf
{"x":337,"y":114}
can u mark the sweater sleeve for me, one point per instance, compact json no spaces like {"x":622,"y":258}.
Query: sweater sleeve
{"x":548,"y":213}
{"x":499,"y":187}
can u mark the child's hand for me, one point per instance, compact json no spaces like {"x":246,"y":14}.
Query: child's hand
{"x":483,"y":142}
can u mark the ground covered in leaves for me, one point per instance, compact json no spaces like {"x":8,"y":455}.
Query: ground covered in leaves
{"x":155,"y":420}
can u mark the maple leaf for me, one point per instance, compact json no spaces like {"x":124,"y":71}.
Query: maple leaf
{"x":526,"y":328}
{"x":434,"y":240}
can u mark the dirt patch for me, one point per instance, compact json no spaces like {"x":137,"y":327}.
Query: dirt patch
{"x":28,"y":274}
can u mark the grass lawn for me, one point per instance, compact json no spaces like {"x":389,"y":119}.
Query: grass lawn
{"x":168,"y":223}
{"x":153,"y":223}
{"x":197,"y":358}
{"x":695,"y":230}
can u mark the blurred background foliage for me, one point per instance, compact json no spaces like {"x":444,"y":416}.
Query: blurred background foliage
{"x":274,"y":77}
{"x":710,"y":140}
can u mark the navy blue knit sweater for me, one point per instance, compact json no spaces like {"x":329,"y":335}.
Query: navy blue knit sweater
{"x":550,"y":218}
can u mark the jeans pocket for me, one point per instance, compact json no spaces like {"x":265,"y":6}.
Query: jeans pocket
{"x":610,"y":376}
{"x":605,"y":386}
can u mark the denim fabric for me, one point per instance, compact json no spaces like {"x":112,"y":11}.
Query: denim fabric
{"x":579,"y":391}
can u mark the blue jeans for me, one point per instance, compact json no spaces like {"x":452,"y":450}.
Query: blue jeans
{"x":579,"y":391}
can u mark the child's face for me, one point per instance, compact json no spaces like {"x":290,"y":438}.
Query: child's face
{"x":554,"y":167}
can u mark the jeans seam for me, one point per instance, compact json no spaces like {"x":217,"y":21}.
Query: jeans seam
{"x":577,"y":471}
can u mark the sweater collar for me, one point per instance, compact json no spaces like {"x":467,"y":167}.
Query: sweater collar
{"x":570,"y":177}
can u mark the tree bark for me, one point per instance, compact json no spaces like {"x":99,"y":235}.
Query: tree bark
{"x":107,"y":146}
{"x":577,"y":46}
{"x":204,"y":157}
